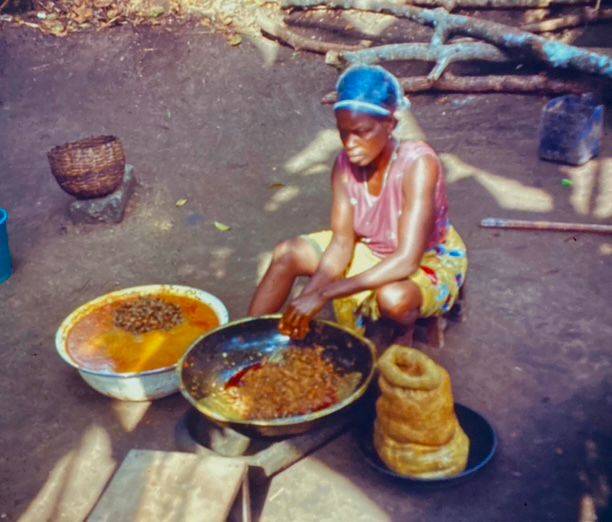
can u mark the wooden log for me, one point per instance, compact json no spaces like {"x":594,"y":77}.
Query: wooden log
{"x":527,"y":84}
{"x":545,"y":225}
{"x":566,"y":22}
{"x":512,"y":39}
{"x":450,"y":5}
{"x":279,"y":30}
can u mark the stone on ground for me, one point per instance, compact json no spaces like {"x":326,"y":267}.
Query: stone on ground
{"x":109,"y":209}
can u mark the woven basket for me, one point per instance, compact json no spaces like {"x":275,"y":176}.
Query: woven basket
{"x":88,"y":168}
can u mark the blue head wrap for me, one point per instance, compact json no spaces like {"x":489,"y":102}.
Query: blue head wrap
{"x":370,"y":89}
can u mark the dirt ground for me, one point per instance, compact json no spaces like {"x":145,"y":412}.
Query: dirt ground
{"x":218,"y":126}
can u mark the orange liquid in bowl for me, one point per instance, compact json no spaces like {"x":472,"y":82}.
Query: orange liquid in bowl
{"x":95,"y":343}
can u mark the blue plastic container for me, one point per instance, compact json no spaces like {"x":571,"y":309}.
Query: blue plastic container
{"x":6,"y":265}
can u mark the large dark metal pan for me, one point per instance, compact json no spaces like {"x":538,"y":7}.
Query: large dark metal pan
{"x":220,"y":354}
{"x":483,"y":443}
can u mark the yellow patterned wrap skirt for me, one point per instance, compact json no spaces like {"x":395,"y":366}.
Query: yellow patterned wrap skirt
{"x":439,"y":277}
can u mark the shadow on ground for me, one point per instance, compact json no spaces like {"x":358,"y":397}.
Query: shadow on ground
{"x":251,"y":147}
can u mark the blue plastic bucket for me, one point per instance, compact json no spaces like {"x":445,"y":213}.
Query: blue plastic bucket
{"x":6,"y":265}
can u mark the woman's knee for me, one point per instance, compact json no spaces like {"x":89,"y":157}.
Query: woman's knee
{"x":284,"y":252}
{"x":399,"y":301}
{"x":292,"y":254}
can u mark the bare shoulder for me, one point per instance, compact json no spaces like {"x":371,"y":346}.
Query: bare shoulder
{"x":422,"y":174}
{"x":339,"y":172}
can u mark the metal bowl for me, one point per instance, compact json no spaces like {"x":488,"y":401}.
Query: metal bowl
{"x":134,"y":386}
{"x":220,"y":354}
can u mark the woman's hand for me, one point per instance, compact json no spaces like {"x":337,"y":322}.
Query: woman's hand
{"x":296,"y":320}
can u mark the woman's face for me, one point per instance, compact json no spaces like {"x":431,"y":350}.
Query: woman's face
{"x":364,"y":137}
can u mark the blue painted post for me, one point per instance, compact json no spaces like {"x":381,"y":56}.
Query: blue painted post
{"x":6,"y":265}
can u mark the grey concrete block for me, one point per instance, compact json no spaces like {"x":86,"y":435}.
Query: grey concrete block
{"x":109,"y":209}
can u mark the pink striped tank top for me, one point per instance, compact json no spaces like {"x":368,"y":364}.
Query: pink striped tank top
{"x":376,"y":218}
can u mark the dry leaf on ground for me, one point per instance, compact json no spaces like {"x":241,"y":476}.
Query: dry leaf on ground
{"x":235,"y":39}
{"x":222,"y":227}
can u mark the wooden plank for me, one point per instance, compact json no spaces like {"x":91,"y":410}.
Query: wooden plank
{"x":285,"y":453}
{"x":241,"y":510}
{"x":170,"y":486}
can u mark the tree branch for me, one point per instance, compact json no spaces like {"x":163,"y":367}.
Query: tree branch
{"x":531,"y":84}
{"x":443,"y":55}
{"x":441,"y":33}
{"x":565,"y":22}
{"x":279,"y":30}
{"x":553,"y":53}
{"x":449,"y":5}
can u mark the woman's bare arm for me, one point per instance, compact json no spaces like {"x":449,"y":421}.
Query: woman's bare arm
{"x":338,"y":254}
{"x":334,"y":261}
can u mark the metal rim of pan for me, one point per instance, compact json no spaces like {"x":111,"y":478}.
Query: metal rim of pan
{"x":284,"y":421}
